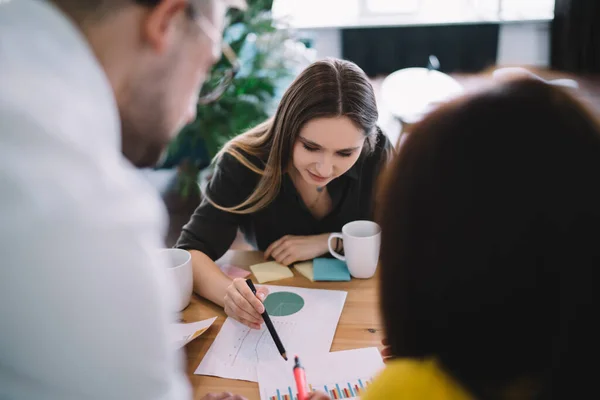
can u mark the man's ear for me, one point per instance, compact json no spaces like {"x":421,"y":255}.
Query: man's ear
{"x":160,"y":25}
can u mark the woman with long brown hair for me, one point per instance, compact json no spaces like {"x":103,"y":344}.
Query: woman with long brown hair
{"x":490,"y":220}
{"x":289,"y":182}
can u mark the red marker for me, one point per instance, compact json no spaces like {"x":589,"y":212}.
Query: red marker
{"x":300,"y":378}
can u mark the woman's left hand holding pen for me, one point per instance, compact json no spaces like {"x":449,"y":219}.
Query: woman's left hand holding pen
{"x":242,"y":305}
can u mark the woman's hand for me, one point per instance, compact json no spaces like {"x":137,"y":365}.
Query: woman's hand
{"x":290,"y":249}
{"x":317,"y":396}
{"x":242,"y":305}
{"x":386,"y":352}
{"x":223,"y":396}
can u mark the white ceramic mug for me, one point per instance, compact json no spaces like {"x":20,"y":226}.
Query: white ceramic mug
{"x":179,"y":271}
{"x":362,"y":240}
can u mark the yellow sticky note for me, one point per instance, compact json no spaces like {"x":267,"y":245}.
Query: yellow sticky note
{"x":306,"y":269}
{"x":270,"y":271}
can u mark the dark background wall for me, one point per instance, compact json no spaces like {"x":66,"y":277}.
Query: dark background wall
{"x":576,"y":36}
{"x":460,"y":48}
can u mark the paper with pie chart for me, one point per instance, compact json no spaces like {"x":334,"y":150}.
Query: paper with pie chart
{"x":305,"y":320}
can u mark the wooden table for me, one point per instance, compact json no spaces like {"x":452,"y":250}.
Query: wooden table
{"x":359,"y":324}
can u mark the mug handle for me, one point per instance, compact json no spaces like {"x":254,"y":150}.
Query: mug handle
{"x":333,"y":252}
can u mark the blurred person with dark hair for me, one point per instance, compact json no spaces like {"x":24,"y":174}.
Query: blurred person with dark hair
{"x":490,"y":222}
{"x":89,"y":90}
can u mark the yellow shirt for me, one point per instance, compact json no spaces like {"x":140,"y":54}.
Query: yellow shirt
{"x":414,"y":380}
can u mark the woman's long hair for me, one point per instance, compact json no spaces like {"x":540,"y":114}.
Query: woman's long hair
{"x":325,"y":89}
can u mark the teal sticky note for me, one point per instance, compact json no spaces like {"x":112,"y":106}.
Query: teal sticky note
{"x":330,"y":269}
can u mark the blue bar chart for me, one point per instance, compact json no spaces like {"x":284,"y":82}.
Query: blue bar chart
{"x":336,"y":390}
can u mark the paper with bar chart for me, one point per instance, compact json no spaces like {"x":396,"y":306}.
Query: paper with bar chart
{"x":341,"y":374}
{"x":305,"y":320}
{"x":338,"y":390}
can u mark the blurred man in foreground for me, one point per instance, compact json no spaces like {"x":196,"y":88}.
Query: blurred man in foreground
{"x":89,"y":90}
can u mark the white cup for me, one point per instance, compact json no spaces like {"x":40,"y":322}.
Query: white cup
{"x":362,"y":240}
{"x":179,"y":271}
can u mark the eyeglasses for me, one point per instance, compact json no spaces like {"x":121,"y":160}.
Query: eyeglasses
{"x":219,"y":79}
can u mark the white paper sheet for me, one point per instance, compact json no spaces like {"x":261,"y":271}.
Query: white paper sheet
{"x":346,"y":373}
{"x":305,"y":320}
{"x":182,"y":334}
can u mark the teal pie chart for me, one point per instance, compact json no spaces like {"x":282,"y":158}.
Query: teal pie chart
{"x":283,"y":304}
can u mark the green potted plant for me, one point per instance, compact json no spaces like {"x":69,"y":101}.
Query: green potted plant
{"x":269,"y":57}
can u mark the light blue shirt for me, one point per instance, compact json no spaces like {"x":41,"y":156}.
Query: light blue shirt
{"x":84,"y":304}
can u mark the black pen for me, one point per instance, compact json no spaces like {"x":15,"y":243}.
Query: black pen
{"x":270,"y":326}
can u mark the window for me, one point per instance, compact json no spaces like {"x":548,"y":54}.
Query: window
{"x":357,"y":13}
{"x":502,"y":9}
{"x":516,"y":9}
{"x":324,"y":13}
{"x":394,"y":6}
